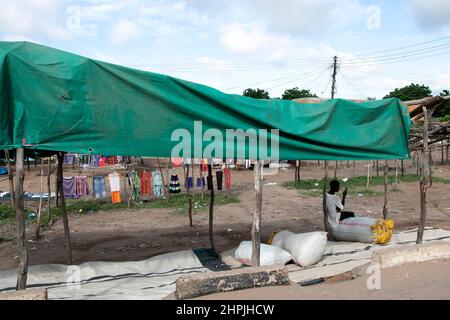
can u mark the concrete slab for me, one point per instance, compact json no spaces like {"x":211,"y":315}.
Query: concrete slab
{"x":411,"y":254}
{"x":29,"y":294}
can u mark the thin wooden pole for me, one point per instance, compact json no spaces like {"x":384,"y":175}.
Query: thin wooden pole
{"x":354,"y":168}
{"x":396,"y":175}
{"x":430,"y":177}
{"x":403,"y":169}
{"x":378,"y":168}
{"x":186,"y":178}
{"x":368,"y":175}
{"x":38,"y":220}
{"x":201,"y":180}
{"x":335,"y":170}
{"x":324,"y":199}
{"x":10,"y":178}
{"x":49,"y":190}
{"x":58,"y":191}
{"x":424,"y":180}
{"x":60,"y":156}
{"x":20,"y":222}
{"x":385,"y":207}
{"x":211,"y":206}
{"x":256,"y":228}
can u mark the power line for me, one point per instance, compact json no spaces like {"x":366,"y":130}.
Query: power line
{"x":404,"y":47}
{"x":352,"y":85}
{"x":284,"y":83}
{"x":274,"y":80}
{"x":395,"y":60}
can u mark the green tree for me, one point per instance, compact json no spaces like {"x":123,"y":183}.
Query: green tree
{"x":411,"y":92}
{"x":296,"y":93}
{"x":256,"y":94}
{"x":444,"y":112}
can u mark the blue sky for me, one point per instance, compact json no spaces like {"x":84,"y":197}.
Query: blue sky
{"x":235,"y":44}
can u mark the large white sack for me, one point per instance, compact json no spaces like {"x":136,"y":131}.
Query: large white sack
{"x":269,"y":256}
{"x":356,"y":229}
{"x":306,"y":248}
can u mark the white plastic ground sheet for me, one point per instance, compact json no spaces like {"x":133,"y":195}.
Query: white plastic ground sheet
{"x":341,"y":257}
{"x":151,"y":279}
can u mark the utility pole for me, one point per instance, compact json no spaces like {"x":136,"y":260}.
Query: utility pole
{"x":335,"y":70}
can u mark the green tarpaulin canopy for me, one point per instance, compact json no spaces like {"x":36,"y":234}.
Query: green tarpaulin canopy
{"x":54,"y":100}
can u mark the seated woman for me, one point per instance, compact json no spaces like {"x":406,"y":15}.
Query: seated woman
{"x":335,"y":206}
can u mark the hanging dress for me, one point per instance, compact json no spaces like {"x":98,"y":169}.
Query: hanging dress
{"x":174,"y":186}
{"x":114,"y":183}
{"x":146,"y":185}
{"x":158,"y":184}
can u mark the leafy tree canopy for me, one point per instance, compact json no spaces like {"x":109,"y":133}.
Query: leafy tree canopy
{"x":296,"y":93}
{"x":411,"y":92}
{"x":256,"y":93}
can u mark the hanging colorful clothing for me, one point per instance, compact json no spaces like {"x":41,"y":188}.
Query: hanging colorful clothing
{"x":82,"y":186}
{"x":133,"y":183}
{"x":114,"y":182}
{"x":146,"y":183}
{"x":190,"y":183}
{"x":199,"y":183}
{"x":99,"y":187}
{"x":227,"y":175}
{"x":174,"y":186}
{"x":70,"y":188}
{"x":116,"y":198}
{"x":204,"y":165}
{"x":219,"y":180}
{"x":158,"y":184}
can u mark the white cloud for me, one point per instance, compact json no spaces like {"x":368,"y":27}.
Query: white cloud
{"x":295,"y":16}
{"x":33,"y":17}
{"x":123,"y":31}
{"x":254,"y":39}
{"x":432,"y":14}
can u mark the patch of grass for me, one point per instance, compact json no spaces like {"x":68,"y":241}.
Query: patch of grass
{"x":356,"y":185}
{"x":178,"y":204}
{"x":7,"y":214}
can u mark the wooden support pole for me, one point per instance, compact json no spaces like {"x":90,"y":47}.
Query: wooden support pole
{"x":324,"y":198}
{"x":60,"y":175}
{"x":354,"y":168}
{"x":256,"y":228}
{"x":335,"y":170}
{"x":424,"y":180}
{"x":378,"y":168}
{"x":28,"y":164}
{"x":188,"y":190}
{"x":211,"y":206}
{"x":368,"y":175}
{"x":49,"y":190}
{"x":403,"y":169}
{"x":20,"y":222}
{"x":10,"y":178}
{"x":58,"y":191}
{"x":297,"y":170}
{"x":430,"y":176}
{"x":396,"y":175}
{"x":385,"y":207}
{"x":201,"y":180}
{"x":446,"y":152}
{"x":39,"y":212}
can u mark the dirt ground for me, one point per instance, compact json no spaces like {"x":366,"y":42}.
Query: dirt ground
{"x":139,"y":234}
{"x":425,"y":281}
